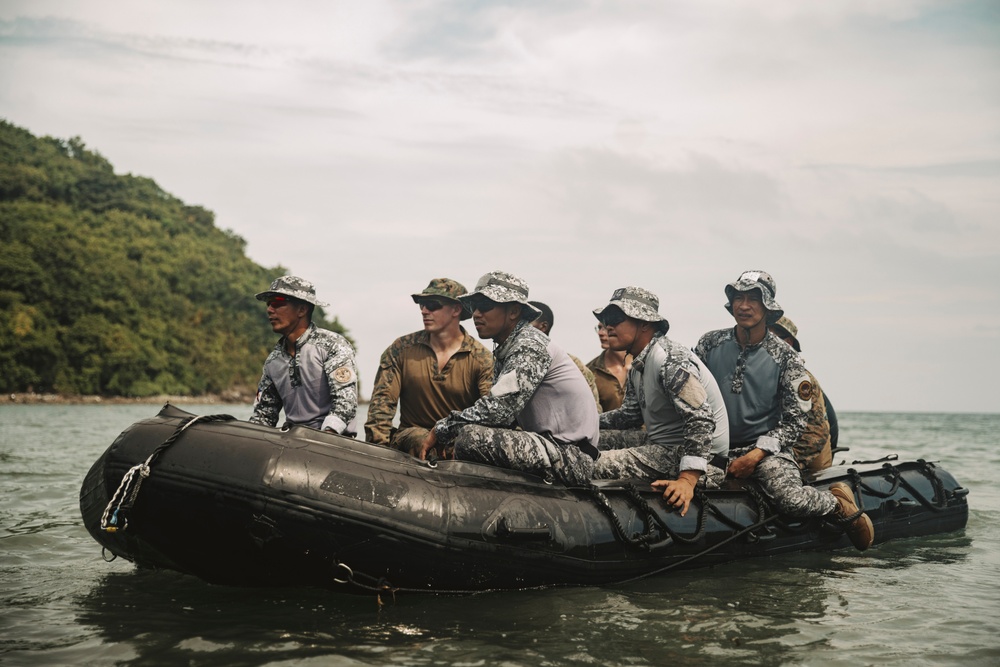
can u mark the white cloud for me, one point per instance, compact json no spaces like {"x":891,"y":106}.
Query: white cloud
{"x":851,"y":149}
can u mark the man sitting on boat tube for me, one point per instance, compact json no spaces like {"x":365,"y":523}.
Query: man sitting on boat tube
{"x":535,"y":387}
{"x":669,"y":391}
{"x":768,"y":394}
{"x":428,"y":373}
{"x":311,"y":372}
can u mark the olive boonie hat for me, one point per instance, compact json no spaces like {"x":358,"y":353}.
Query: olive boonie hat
{"x":504,"y":287}
{"x":789,"y":328}
{"x":637,"y":303}
{"x":294,"y":287}
{"x":448,"y":289}
{"x":756,"y":280}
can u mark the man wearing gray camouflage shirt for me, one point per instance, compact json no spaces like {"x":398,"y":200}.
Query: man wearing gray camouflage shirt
{"x":536,"y":387}
{"x":668,"y":391}
{"x":311,"y":372}
{"x":768,"y":392}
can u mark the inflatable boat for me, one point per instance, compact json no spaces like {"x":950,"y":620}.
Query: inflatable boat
{"x":241,"y":504}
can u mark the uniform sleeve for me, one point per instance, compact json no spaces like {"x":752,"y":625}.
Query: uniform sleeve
{"x":681,"y":383}
{"x":267,"y":405}
{"x":795,"y":395}
{"x":816,"y":435}
{"x":385,"y":397}
{"x":522,"y":372}
{"x":628,"y":415}
{"x":342,"y":377}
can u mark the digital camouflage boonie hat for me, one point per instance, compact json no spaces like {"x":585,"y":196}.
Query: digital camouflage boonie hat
{"x":448,"y":289}
{"x":294,"y":287}
{"x":637,"y":303}
{"x":504,"y":287}
{"x":756,"y":280}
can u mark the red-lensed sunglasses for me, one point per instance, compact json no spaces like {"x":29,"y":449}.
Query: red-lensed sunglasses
{"x":277,"y":301}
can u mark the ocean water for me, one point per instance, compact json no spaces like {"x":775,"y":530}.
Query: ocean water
{"x":920,"y":601}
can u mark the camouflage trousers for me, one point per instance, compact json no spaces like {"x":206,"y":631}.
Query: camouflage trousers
{"x":649,"y":462}
{"x":781,"y":481}
{"x":525,"y":451}
{"x":622,"y":439}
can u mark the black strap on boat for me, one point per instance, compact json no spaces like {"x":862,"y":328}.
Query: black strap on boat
{"x":382,"y":586}
{"x":115,"y":515}
{"x":895,"y":475}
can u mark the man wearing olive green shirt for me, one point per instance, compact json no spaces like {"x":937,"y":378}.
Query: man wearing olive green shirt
{"x":428,"y":373}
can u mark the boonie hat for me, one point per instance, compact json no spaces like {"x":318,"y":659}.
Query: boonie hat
{"x":504,"y":287}
{"x":759,"y":280}
{"x":789,"y":327}
{"x":295,"y":287}
{"x":637,"y":303}
{"x":445,"y":288}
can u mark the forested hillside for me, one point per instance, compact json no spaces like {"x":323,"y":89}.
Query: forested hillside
{"x":111,"y":286}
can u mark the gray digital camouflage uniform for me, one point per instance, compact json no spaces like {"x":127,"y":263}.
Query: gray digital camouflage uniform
{"x":768,"y":393}
{"x":679,"y":420}
{"x":485,"y":432}
{"x":317,"y":387}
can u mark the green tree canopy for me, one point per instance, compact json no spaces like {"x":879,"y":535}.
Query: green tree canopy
{"x":111,"y":286}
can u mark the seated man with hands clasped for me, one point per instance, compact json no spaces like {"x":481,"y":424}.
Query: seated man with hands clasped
{"x":540,"y":416}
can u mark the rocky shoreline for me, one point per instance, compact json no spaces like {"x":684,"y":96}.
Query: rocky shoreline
{"x":228,"y":398}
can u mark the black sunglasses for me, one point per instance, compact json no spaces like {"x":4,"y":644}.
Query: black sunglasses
{"x":430,"y":304}
{"x":613,"y":317}
{"x":482,"y":304}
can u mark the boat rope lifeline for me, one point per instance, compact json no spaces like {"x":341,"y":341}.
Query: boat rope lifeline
{"x":381,"y":586}
{"x":895,"y":475}
{"x":115,"y":515}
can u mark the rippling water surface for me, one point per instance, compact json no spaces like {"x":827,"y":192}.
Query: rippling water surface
{"x":922,"y":601}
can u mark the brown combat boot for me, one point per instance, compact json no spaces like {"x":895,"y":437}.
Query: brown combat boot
{"x":861,"y":531}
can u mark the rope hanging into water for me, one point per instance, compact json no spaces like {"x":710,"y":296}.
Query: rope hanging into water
{"x":115,"y":515}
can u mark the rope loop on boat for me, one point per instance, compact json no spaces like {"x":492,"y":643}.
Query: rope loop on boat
{"x":115,"y":515}
{"x":895,"y":476}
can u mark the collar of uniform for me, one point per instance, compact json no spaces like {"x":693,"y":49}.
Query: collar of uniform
{"x":758,"y":344}
{"x":640,"y":359}
{"x":502,"y":350}
{"x":300,"y":341}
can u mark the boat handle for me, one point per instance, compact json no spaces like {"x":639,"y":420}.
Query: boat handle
{"x":504,"y":529}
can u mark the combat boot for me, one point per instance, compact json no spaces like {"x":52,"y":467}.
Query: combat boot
{"x":860,"y":530}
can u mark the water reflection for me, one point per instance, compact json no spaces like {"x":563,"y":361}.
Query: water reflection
{"x":745,"y":613}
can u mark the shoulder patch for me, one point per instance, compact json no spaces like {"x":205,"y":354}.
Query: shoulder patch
{"x":505,"y":384}
{"x":803,"y":387}
{"x":343,"y":375}
{"x":805,"y":390}
{"x":689,"y":389}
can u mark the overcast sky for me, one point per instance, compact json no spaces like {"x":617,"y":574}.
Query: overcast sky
{"x":850,"y":148}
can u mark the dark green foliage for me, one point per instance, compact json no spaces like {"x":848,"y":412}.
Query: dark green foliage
{"x":111,"y":286}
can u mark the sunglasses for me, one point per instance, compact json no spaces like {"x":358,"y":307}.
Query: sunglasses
{"x":613,"y":318}
{"x":277,"y":302}
{"x":430,"y":304}
{"x":482,"y":304}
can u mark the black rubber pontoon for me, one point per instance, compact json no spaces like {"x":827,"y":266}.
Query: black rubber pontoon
{"x":236,"y":503}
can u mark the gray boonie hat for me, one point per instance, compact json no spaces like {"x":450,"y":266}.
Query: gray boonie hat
{"x":637,"y":303}
{"x":759,"y":280}
{"x":504,"y":287}
{"x":448,"y":289}
{"x":295,"y":287}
